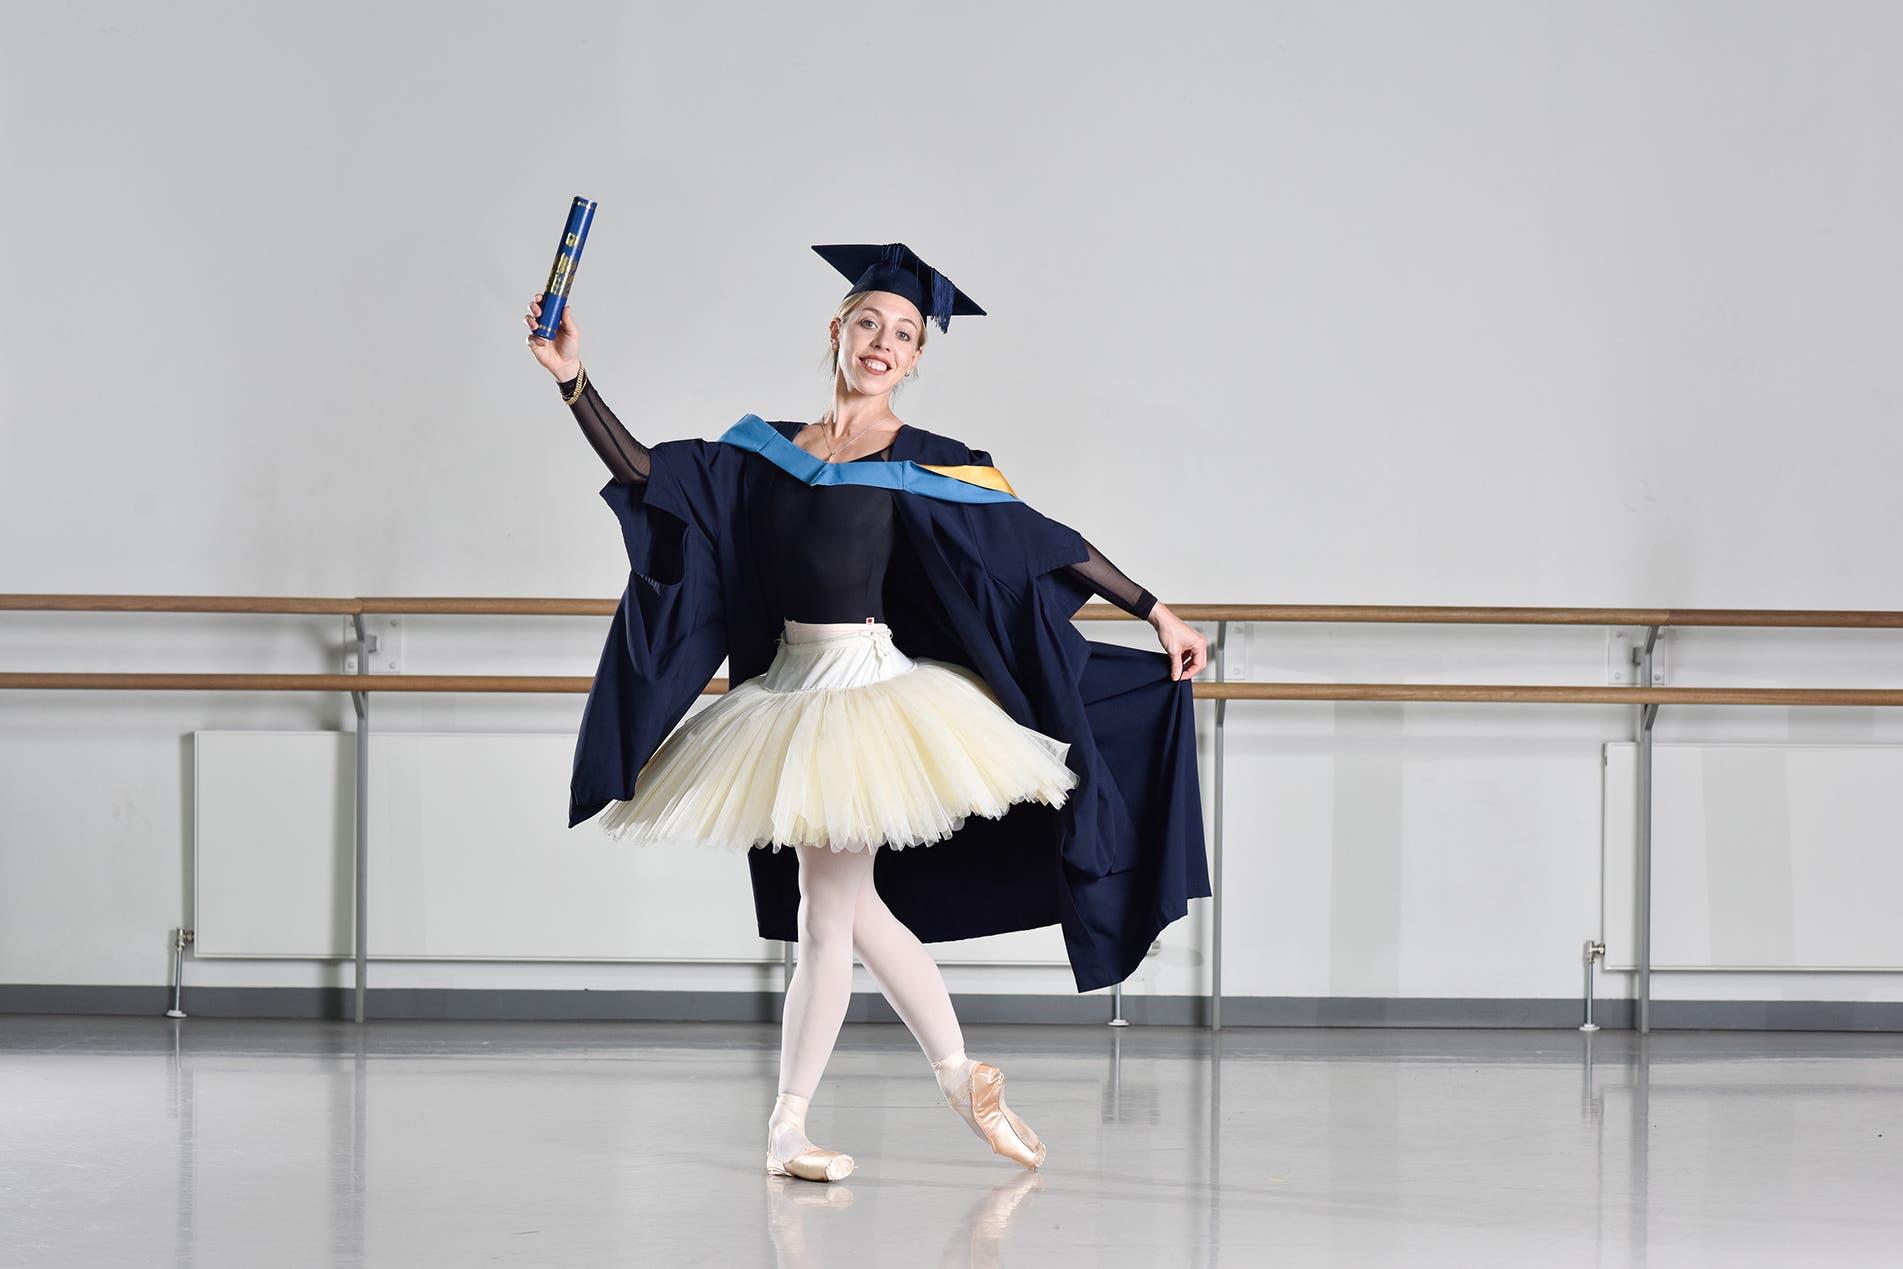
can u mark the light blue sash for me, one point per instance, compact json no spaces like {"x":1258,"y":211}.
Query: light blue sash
{"x":947,"y":484}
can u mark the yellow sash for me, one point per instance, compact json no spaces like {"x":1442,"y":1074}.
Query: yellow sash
{"x":988,"y":477}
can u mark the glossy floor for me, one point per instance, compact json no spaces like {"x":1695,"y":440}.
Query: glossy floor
{"x":204,"y":1142}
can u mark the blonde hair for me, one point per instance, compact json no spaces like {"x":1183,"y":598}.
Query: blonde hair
{"x":829,"y":361}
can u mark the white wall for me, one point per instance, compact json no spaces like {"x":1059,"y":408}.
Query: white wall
{"x":1376,"y":303}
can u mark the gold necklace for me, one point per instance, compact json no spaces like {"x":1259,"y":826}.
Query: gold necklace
{"x":849,"y":440}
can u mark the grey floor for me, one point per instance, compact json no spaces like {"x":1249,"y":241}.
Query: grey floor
{"x":141,"y":1141}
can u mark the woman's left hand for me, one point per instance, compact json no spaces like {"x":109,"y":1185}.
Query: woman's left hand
{"x":1189,"y":651}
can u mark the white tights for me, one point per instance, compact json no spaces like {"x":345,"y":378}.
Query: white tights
{"x":840,"y":913}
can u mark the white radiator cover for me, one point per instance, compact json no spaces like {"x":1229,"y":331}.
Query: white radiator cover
{"x":470,"y":859}
{"x":1764,"y":857}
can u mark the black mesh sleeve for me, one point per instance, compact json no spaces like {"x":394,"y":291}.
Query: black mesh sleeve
{"x":1107,"y":580}
{"x":625,"y":457}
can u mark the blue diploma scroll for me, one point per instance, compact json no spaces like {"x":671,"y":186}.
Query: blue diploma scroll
{"x":561,"y":275}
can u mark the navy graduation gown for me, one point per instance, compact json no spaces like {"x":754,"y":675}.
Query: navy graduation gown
{"x":977,"y":577}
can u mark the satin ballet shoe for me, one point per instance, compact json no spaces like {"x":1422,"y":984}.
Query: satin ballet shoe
{"x":813,"y":1165}
{"x":790,"y":1152}
{"x":982,"y":1106}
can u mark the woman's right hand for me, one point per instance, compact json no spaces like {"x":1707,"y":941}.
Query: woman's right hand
{"x":560,"y":356}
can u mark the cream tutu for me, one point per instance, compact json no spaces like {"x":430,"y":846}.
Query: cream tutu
{"x":845,"y":741}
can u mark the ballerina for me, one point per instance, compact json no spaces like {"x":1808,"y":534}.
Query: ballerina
{"x":843,"y":747}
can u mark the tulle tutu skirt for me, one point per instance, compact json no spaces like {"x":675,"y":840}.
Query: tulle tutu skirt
{"x":844,"y":741}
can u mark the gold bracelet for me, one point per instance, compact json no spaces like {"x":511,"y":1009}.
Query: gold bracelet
{"x":581,"y":381}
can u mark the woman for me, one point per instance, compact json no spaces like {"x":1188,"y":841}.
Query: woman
{"x":845,"y":743}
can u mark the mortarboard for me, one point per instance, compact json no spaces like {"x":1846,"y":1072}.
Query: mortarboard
{"x":895,"y":267}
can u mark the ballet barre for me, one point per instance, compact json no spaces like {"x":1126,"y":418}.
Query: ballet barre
{"x":1645,"y":697}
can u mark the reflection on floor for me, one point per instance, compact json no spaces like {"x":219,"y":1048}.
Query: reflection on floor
{"x":253,"y":1143}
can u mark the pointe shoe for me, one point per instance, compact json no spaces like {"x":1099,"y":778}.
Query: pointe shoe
{"x":983,"y":1108}
{"x":811,"y":1164}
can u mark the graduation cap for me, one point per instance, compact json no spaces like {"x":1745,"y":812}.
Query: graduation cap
{"x":895,"y":267}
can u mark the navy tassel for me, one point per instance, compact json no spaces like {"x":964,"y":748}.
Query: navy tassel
{"x":894,"y":253}
{"x":942,"y":293}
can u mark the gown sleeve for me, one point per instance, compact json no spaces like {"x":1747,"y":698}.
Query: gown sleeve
{"x":626,"y":458}
{"x":1097,"y":573}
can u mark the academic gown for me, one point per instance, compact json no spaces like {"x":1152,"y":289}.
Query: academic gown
{"x":977,"y":577}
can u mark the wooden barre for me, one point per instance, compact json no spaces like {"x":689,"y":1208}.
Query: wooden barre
{"x":1348,"y":613}
{"x":1205,"y":689}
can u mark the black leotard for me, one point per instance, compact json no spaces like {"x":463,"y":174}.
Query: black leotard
{"x":800,"y":529}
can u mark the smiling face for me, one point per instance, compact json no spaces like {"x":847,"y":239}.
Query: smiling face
{"x":879,"y":341}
